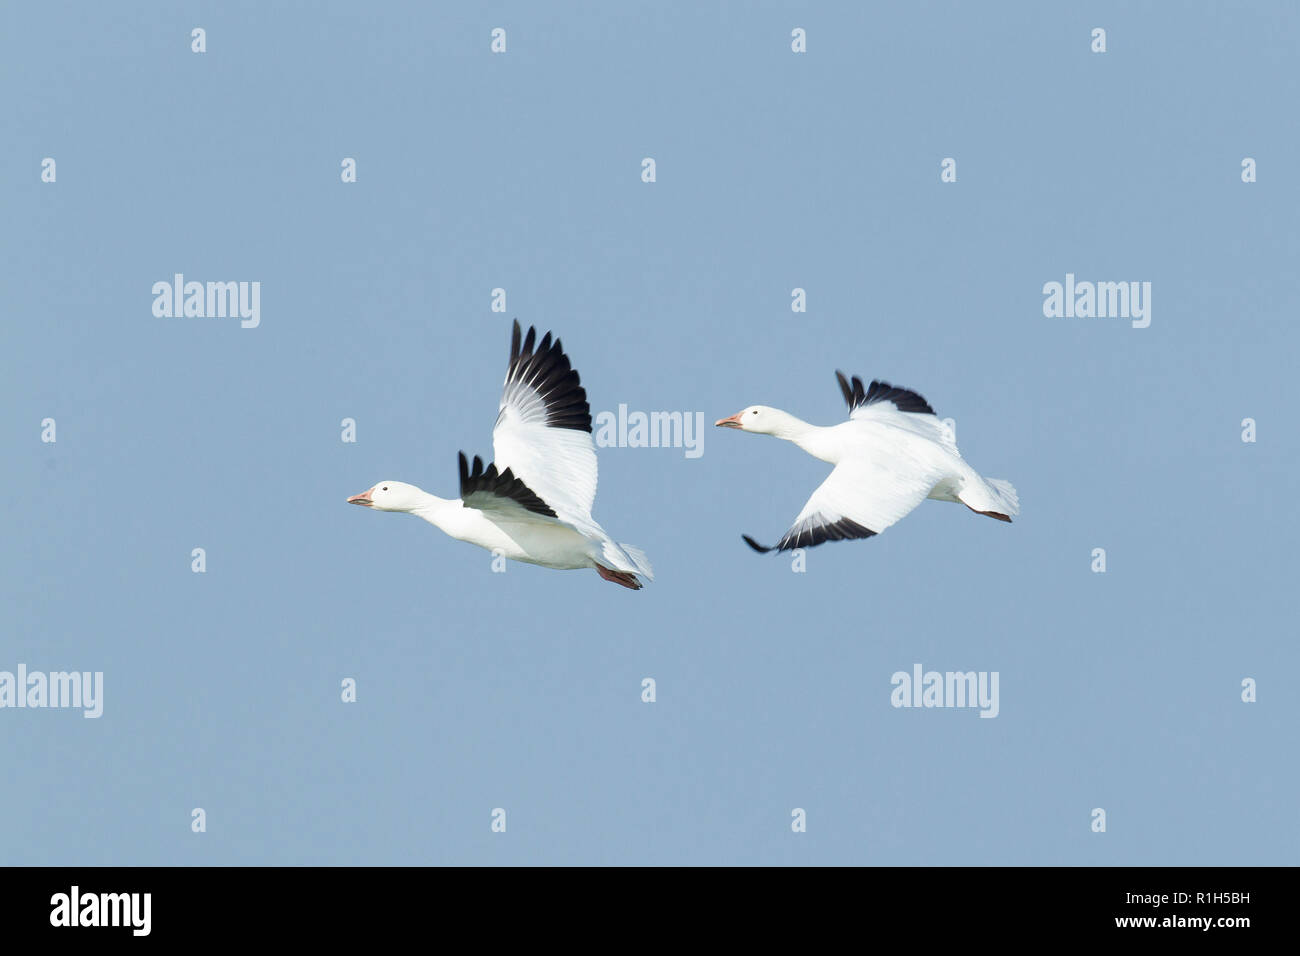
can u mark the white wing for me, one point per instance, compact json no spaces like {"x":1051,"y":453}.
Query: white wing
{"x":860,"y":498}
{"x":899,"y":407}
{"x":543,"y":430}
{"x":500,"y":495}
{"x":880,"y":480}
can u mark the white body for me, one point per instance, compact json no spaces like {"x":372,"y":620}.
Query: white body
{"x":533,"y":503}
{"x":541,"y":541}
{"x":887,"y":461}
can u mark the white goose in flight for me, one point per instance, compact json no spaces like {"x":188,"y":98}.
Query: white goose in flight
{"x":533,"y":503}
{"x":890,"y":455}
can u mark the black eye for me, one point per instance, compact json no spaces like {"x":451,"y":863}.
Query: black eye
{"x":385,"y":488}
{"x":754,"y":412}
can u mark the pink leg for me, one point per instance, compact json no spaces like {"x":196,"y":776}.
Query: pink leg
{"x":619,"y":577}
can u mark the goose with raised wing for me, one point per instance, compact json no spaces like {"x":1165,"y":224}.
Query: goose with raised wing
{"x":533,"y":502}
{"x":890,"y":455}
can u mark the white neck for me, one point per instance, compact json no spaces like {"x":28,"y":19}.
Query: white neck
{"x":435,"y":510}
{"x":811,"y":438}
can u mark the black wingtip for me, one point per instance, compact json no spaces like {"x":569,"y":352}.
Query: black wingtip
{"x":503,"y":484}
{"x":755,"y":545}
{"x":855,"y":396}
{"x":542,"y":367}
{"x":844,"y":388}
{"x":904,"y":399}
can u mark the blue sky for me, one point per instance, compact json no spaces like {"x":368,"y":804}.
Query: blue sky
{"x":522,"y":690}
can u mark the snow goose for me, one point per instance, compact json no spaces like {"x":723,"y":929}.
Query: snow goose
{"x":890,"y":455}
{"x":533,"y":503}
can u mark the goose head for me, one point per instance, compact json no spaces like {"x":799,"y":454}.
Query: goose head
{"x":756,"y":418}
{"x":390,"y":496}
